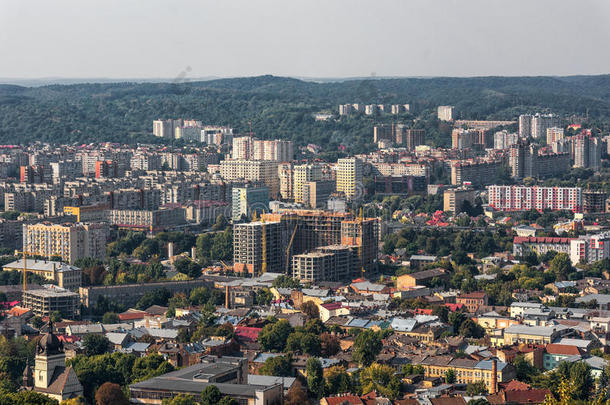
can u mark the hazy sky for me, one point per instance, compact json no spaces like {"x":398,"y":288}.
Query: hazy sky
{"x":329,"y":38}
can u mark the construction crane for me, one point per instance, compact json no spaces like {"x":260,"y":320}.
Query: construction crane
{"x":290,"y":246}
{"x":25,"y":267}
{"x":361,"y":230}
{"x":264,"y":247}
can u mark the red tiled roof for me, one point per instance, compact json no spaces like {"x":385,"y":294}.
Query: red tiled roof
{"x":130,"y":316}
{"x":350,"y":399}
{"x":531,"y":396}
{"x":331,"y":306}
{"x":566,"y":350}
{"x":473,"y":295}
{"x":247,"y":332}
{"x":516,"y":385}
{"x":540,"y":239}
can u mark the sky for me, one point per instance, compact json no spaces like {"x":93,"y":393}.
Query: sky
{"x":189,"y":39}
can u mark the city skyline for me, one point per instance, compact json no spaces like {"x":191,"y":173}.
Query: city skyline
{"x":301,"y":39}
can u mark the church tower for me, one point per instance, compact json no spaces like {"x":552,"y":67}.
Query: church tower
{"x":49,"y":355}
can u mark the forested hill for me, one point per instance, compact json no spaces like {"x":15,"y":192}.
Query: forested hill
{"x":280,"y":107}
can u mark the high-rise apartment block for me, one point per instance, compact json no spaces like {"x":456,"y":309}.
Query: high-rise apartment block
{"x":166,"y":128}
{"x":587,"y":151}
{"x":317,"y":193}
{"x":522,"y":198}
{"x":454,"y":198}
{"x":525,"y":126}
{"x":504,"y":139}
{"x":554,"y":134}
{"x":69,"y":241}
{"x":252,"y":170}
{"x":590,"y":248}
{"x":540,"y":123}
{"x":526,"y":161}
{"x":303,"y":174}
{"x":248,"y":148}
{"x":446,"y":113}
{"x":285,"y":173}
{"x":349,"y":177}
{"x":249,"y":200}
{"x":475,"y":173}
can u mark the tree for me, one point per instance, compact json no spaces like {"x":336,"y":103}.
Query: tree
{"x":381,"y":378}
{"x":310,"y":309}
{"x":450,"y":376}
{"x":110,"y":394}
{"x":286,"y":282}
{"x":561,"y":266}
{"x":227,"y":401}
{"x":315,"y":379}
{"x":525,"y":370}
{"x":55,"y":317}
{"x":296,"y":395}
{"x":263,"y":296}
{"x":37,"y":322}
{"x":110,"y":317}
{"x":279,"y":366}
{"x":367,"y":346}
{"x":25,"y":398}
{"x":338,"y":380}
{"x":95,"y":344}
{"x":210,"y":396}
{"x":273,"y":336}
{"x":330,"y":344}
{"x":180,"y":399}
{"x":74,"y":401}
{"x":470,"y":329}
{"x":476,"y":388}
{"x":188,"y":267}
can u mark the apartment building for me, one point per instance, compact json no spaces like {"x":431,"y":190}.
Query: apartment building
{"x":400,"y":185}
{"x":252,"y":170}
{"x":523,"y":198}
{"x":475,"y":173}
{"x":504,"y":139}
{"x":317,"y":193}
{"x":540,"y":245}
{"x":164,"y":218}
{"x":304,"y":174}
{"x":249,"y":200}
{"x":590,"y":248}
{"x":349,"y":177}
{"x":454,"y":198}
{"x":69,"y":241}
{"x":446,"y":113}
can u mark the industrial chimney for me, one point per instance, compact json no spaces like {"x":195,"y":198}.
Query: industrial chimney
{"x":494,"y":377}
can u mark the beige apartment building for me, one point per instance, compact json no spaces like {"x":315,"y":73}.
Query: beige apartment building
{"x":69,"y":241}
{"x":252,"y":170}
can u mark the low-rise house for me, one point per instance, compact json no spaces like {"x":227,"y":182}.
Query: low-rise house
{"x":420,"y":278}
{"x":473,"y":301}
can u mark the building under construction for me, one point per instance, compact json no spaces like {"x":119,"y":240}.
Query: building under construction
{"x":352,"y":240}
{"x":257,"y":247}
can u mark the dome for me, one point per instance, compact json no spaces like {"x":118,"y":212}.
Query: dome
{"x":49,"y":344}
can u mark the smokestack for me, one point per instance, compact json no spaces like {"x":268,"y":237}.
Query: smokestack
{"x":494,"y":377}
{"x":193,"y":252}
{"x":227,"y":297}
